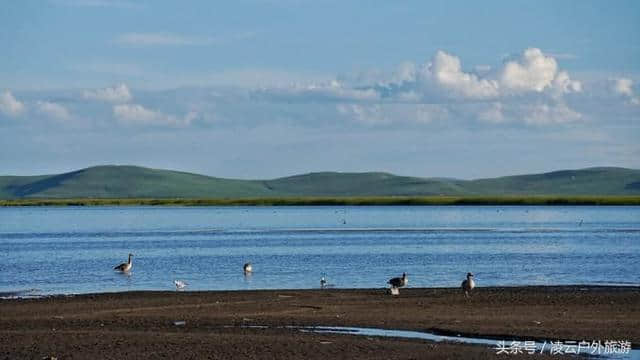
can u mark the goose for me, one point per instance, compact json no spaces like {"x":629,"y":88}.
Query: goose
{"x":248,"y":268}
{"x":398,"y":282}
{"x":468,"y":285}
{"x":125,"y":267}
{"x":179,"y":284}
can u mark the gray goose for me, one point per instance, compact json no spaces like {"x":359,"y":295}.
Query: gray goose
{"x":468,"y":285}
{"x":398,"y":282}
{"x":125,"y":267}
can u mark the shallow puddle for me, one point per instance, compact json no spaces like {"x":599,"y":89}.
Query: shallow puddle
{"x":503,"y":346}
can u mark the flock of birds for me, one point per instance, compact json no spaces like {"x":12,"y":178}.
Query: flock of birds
{"x":396,"y":282}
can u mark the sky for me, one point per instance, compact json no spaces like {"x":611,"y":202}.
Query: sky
{"x":260,"y":89}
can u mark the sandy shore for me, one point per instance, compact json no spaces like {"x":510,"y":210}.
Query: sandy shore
{"x":140,"y":324}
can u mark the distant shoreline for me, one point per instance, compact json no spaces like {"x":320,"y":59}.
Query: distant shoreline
{"x":338,"y":201}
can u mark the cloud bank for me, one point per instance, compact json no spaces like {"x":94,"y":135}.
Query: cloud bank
{"x":529,"y":89}
{"x":135,"y":114}
{"x":533,"y":72}
{"x":624,"y":87}
{"x":53,"y":110}
{"x":171,"y":39}
{"x":115,"y":94}
{"x":9,"y":105}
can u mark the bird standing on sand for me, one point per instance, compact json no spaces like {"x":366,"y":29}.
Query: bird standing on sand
{"x":323,"y":282}
{"x":398,"y":282}
{"x":125,"y":267}
{"x":468,"y":285}
{"x":248,"y":268}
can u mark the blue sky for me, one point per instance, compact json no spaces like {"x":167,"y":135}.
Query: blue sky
{"x":267,"y":88}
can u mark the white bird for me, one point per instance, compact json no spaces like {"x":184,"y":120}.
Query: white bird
{"x":468,"y":285}
{"x":248,"y":268}
{"x":398,"y":282}
{"x":125,"y":267}
{"x":180,"y":284}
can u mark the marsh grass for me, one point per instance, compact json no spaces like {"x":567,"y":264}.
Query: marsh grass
{"x":336,"y":201}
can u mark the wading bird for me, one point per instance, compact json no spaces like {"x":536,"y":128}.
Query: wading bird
{"x":125,"y":267}
{"x":468,"y":285}
{"x":248,"y":268}
{"x":180,"y":284}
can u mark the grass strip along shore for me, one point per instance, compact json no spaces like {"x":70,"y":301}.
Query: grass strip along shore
{"x":335,"y":201}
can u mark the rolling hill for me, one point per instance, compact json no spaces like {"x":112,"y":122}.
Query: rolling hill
{"x":139,"y":182}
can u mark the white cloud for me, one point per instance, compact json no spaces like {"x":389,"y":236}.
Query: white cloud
{"x":384,"y":114}
{"x":534,"y":71}
{"x":493,"y":114}
{"x":405,"y":72}
{"x":9,"y":105}
{"x":53,"y":110}
{"x":135,"y":114}
{"x":528,"y":89}
{"x":624,"y":87}
{"x":330,"y":91}
{"x":542,"y":114}
{"x":447,"y":71}
{"x":171,"y":39}
{"x":408,"y":96}
{"x":371,"y":114}
{"x":563,"y":84}
{"x":261,"y":78}
{"x":115,"y":94}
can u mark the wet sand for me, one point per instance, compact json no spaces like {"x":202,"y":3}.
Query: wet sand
{"x":141,"y":324}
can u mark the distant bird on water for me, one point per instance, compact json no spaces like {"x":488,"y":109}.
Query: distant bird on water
{"x":468,"y":285}
{"x":125,"y":267}
{"x":248,"y":269}
{"x":398,"y":282}
{"x":179,"y":284}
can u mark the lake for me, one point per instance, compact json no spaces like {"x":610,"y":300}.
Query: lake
{"x":68,"y":250}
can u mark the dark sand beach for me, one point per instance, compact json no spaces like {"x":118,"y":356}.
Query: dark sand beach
{"x":138,"y":325}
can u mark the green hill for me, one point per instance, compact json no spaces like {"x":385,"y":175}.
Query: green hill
{"x":591,"y":181}
{"x":139,"y":182}
{"x":361,"y":184}
{"x":127,"y":182}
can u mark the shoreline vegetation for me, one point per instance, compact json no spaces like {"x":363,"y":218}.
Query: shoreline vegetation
{"x":335,"y":201}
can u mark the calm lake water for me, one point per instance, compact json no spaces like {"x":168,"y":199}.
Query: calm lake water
{"x":63,"y":250}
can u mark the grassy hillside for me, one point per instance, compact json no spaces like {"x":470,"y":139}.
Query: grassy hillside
{"x":121,"y":182}
{"x":592,"y":181}
{"x":9,"y":183}
{"x":129,"y":182}
{"x":361,"y":184}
